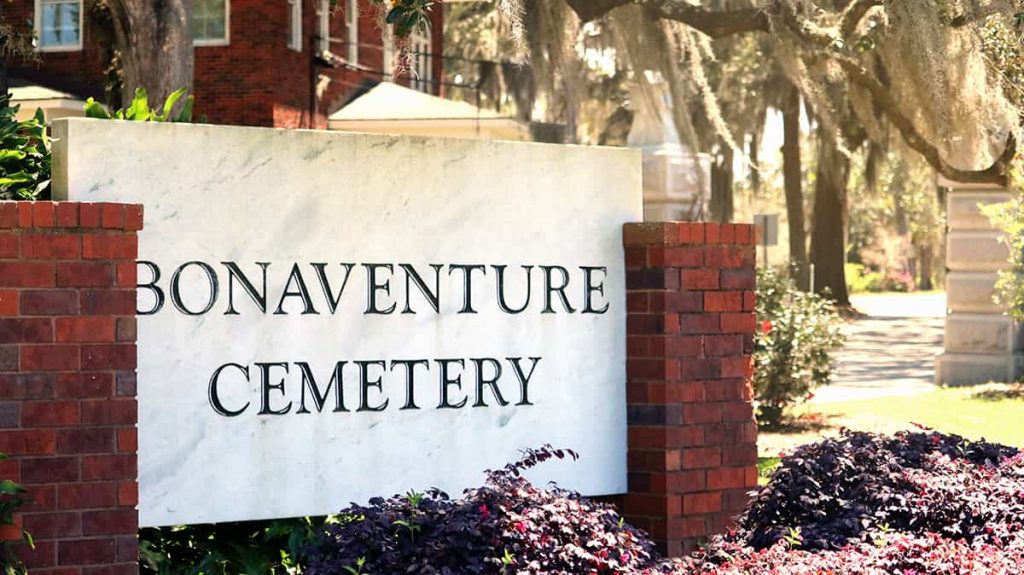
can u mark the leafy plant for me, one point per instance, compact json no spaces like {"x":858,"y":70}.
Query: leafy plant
{"x":793,"y":350}
{"x":506,"y":526}
{"x":249,"y":548}
{"x":139,"y":110}
{"x":1009,"y":218}
{"x":24,"y":155}
{"x":11,"y":498}
{"x":406,"y":15}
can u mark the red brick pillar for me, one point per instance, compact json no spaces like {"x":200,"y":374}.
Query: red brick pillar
{"x":690,"y":326}
{"x":67,"y":381}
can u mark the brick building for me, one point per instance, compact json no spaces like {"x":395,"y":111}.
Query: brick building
{"x":282,"y":63}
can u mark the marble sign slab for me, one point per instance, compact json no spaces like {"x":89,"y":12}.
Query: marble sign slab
{"x":327,"y":317}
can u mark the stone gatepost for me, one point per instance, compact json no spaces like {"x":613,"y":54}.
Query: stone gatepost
{"x":982,"y":343}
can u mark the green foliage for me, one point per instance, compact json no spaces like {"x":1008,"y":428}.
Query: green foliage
{"x":860,"y":279}
{"x":406,"y":15}
{"x":793,"y":349}
{"x":1009,"y":217}
{"x":24,"y":155}
{"x":139,"y":110}
{"x":245,"y":548}
{"x":11,"y":497}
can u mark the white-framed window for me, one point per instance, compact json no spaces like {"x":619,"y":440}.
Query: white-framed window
{"x":58,"y":25}
{"x":295,"y":25}
{"x":352,"y":29}
{"x":422,"y":73}
{"x":323,"y":32}
{"x":211,"y":22}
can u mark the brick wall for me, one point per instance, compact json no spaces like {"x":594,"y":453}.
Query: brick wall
{"x":255,"y":80}
{"x":692,"y":435}
{"x":67,"y":381}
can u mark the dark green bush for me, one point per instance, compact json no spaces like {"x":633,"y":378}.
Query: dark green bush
{"x":793,"y":349}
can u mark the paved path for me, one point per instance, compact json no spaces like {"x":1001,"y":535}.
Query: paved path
{"x":890,"y":352}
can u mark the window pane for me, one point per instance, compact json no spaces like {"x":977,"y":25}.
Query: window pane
{"x":209,"y":19}
{"x":59,"y":23}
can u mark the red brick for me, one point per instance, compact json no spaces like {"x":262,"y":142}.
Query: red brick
{"x":739,"y":323}
{"x":85,"y":329}
{"x":25,"y":215}
{"x":737,"y":367}
{"x":749,"y":301}
{"x":8,"y":245}
{"x":103,"y":467}
{"x":112,"y":216}
{"x":652,"y":233}
{"x":87,"y":495}
{"x":108,"y":302}
{"x":726,"y":390}
{"x":22,"y":386}
{"x":87,"y":551}
{"x":637,"y":302}
{"x":110,"y":246}
{"x":686,"y":482}
{"x":43,"y":214}
{"x":127,"y":275}
{"x":9,"y":214}
{"x":128,"y":547}
{"x":651,"y":323}
{"x":699,"y":279}
{"x":109,"y":412}
{"x":685,"y":436}
{"x":716,"y":344}
{"x":677,"y":346}
{"x":41,"y":498}
{"x":726,"y":256}
{"x":49,"y":470}
{"x":675,"y":301}
{"x":699,"y":503}
{"x":9,"y":302}
{"x":128,"y":493}
{"x":50,"y":358}
{"x":744,"y":234}
{"x":27,"y":274}
{"x":684,"y":257}
{"x":85,"y":274}
{"x":110,"y":522}
{"x":723,"y":301}
{"x":684,"y":391}
{"x":25,"y":330}
{"x":119,"y":569}
{"x":702,"y":457}
{"x":696,"y":413}
{"x":51,"y":246}
{"x":737,"y":411}
{"x":22,"y":442}
{"x":738,"y":279}
{"x":43,"y":555}
{"x":128,"y":438}
{"x":725,"y":478}
{"x":711,"y":232}
{"x":89,"y":215}
{"x":53,"y":525}
{"x":50,"y":413}
{"x":694,"y":323}
{"x":740,"y":455}
{"x":49,"y":302}
{"x":85,"y":385}
{"x":133,"y":216}
{"x":67,"y":215}
{"x":85,"y":440}
{"x":727,"y":234}
{"x":691,"y":233}
{"x":108,"y":356}
{"x":652,"y":369}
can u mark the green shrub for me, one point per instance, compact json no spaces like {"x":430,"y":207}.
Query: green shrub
{"x":11,"y":498}
{"x":139,"y":110}
{"x":24,"y":155}
{"x":860,"y":279}
{"x":793,"y":349}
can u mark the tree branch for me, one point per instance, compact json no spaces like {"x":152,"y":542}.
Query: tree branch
{"x":714,"y":23}
{"x":994,"y":174}
{"x":853,"y":14}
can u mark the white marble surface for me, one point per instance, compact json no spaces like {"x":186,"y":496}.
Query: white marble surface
{"x":247,"y":195}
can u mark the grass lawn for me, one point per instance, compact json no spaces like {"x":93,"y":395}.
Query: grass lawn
{"x":993,"y":412}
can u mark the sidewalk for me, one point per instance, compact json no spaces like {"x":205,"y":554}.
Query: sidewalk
{"x":892,"y":351}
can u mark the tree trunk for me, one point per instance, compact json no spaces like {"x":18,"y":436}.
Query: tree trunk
{"x":828,"y":234}
{"x":722,"y":178}
{"x":154,"y":40}
{"x":792,"y":182}
{"x":925,"y":256}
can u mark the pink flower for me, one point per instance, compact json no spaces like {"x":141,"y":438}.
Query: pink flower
{"x":484,"y":511}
